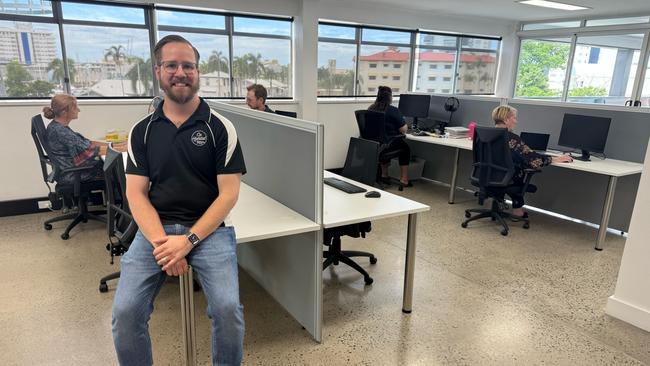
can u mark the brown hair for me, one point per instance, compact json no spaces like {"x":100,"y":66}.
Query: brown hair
{"x":259,"y":90}
{"x":502,"y":112}
{"x":60,"y":103}
{"x":172,"y":38}
{"x":384,"y":98}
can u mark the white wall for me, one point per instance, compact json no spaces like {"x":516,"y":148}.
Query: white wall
{"x":18,"y":156}
{"x":631,"y":299}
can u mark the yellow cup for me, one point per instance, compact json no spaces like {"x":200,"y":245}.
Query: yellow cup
{"x":111,"y":136}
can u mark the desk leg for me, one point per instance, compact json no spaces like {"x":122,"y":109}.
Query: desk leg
{"x":410,"y":264}
{"x":187,"y":317}
{"x":607,"y":210}
{"x":454,"y":175}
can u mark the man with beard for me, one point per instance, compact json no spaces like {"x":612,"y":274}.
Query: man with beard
{"x":256,"y":98}
{"x":183,"y":177}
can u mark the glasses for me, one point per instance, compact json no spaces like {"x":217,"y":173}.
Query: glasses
{"x":172,"y":66}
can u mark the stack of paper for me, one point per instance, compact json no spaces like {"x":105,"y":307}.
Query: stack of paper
{"x":457,"y":132}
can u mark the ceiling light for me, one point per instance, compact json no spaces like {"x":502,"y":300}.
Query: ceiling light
{"x":552,"y":4}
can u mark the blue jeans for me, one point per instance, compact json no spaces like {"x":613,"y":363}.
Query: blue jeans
{"x":214,"y":261}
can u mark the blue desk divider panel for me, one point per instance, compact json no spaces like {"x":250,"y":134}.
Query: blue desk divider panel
{"x":284,"y":160}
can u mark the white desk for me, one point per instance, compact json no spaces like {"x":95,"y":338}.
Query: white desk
{"x":340,"y":208}
{"x":612,"y":168}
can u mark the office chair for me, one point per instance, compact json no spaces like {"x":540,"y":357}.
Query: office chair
{"x":120,"y":223}
{"x":287,"y":113}
{"x":361,"y":166}
{"x":371,"y":127}
{"x":492,"y":173}
{"x":75,"y":194}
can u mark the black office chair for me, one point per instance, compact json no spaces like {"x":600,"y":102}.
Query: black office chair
{"x":492,"y":173}
{"x":73,"y":195}
{"x":361,"y":166}
{"x":287,"y":113}
{"x":120,"y":224}
{"x":371,"y":127}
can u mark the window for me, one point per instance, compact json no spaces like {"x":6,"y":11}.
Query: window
{"x":607,"y":73}
{"x":446,"y":91}
{"x":431,"y":90}
{"x":542,"y":68}
{"x":551,"y":25}
{"x":395,"y":90}
{"x":436,"y":50}
{"x":261,"y":55}
{"x":391,"y":50}
{"x":336,"y":66}
{"x":478,"y":56}
{"x":617,"y":21}
{"x":446,"y":79}
{"x":372,"y":89}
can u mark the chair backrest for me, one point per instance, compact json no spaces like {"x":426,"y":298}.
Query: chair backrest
{"x":39,"y":135}
{"x":120,"y":222}
{"x":371,"y":125}
{"x":493,"y":166}
{"x":287,"y":113}
{"x":361,"y":161}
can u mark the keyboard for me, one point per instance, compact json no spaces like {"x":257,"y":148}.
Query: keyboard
{"x":343,"y":185}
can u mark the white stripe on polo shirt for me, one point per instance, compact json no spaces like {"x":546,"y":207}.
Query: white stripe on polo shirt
{"x":232,"y":135}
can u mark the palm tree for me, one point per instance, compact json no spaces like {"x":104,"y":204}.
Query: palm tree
{"x":218,"y":62}
{"x":255,"y":65}
{"x":240,"y":68}
{"x":58,"y":70}
{"x":117,"y":55}
{"x":141,"y":74}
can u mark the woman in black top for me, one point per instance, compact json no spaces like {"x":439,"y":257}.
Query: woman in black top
{"x":523,"y":156}
{"x":395,"y":131}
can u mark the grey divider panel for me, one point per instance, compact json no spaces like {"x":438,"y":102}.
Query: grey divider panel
{"x":475,"y":109}
{"x":284,"y":160}
{"x":628,"y":133}
{"x":583,"y":193}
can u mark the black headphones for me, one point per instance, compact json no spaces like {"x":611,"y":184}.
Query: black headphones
{"x":452,"y":104}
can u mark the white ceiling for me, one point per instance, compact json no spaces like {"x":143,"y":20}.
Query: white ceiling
{"x":512,"y":11}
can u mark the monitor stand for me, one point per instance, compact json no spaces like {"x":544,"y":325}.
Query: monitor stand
{"x":584,"y":157}
{"x":414,"y":126}
{"x":440,"y":127}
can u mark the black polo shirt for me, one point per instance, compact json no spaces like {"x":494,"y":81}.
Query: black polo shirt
{"x":183,"y":163}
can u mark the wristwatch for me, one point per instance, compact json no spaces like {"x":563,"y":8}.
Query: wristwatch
{"x":193,"y":238}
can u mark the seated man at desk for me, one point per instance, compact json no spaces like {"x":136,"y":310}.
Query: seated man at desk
{"x":69,"y":148}
{"x":523,"y":156}
{"x":256,"y":98}
{"x":395,"y":131}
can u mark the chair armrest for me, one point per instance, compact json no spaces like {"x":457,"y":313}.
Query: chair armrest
{"x":77,"y":177}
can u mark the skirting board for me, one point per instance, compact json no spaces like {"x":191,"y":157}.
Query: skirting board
{"x":628,"y":313}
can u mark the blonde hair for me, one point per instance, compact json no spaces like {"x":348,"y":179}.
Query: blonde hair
{"x":60,"y":104}
{"x":502,"y":112}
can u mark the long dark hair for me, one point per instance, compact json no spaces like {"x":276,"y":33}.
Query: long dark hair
{"x":384,"y":98}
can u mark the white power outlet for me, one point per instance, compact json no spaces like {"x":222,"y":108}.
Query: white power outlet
{"x":43,"y":204}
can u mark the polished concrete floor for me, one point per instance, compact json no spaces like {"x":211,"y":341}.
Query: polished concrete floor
{"x":535,"y":297}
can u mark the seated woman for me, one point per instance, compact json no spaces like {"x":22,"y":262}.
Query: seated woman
{"x":395,"y":130}
{"x":523,"y":156}
{"x":71,"y":149}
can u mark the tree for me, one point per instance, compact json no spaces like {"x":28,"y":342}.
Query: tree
{"x":117,"y":55}
{"x":58,"y":71}
{"x":141,"y":74}
{"x":217,"y":62}
{"x":588,"y":91}
{"x":536,"y":59}
{"x":19,"y":83}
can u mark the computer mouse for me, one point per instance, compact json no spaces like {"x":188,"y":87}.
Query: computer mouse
{"x":373,"y":194}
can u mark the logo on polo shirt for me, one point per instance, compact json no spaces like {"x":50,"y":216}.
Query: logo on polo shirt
{"x":199,"y":138}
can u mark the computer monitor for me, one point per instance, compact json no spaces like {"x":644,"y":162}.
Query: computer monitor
{"x":536,"y":141}
{"x":587,"y":133}
{"x":287,"y":113}
{"x":414,"y":105}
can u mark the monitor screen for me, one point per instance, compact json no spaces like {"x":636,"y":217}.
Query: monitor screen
{"x":536,"y":141}
{"x":414,"y":105}
{"x":437,"y":111}
{"x":587,"y":133}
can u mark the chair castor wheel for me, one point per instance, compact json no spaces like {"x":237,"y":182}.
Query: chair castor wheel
{"x":526,"y":226}
{"x":400,"y":188}
{"x":47,"y":226}
{"x":103,"y":287}
{"x":504,"y":232}
{"x":467,"y":214}
{"x":368,"y":280}
{"x":65,"y":236}
{"x":463,"y":225}
{"x":373,"y":260}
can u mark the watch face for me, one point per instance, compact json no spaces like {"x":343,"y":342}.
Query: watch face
{"x":193,"y":238}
